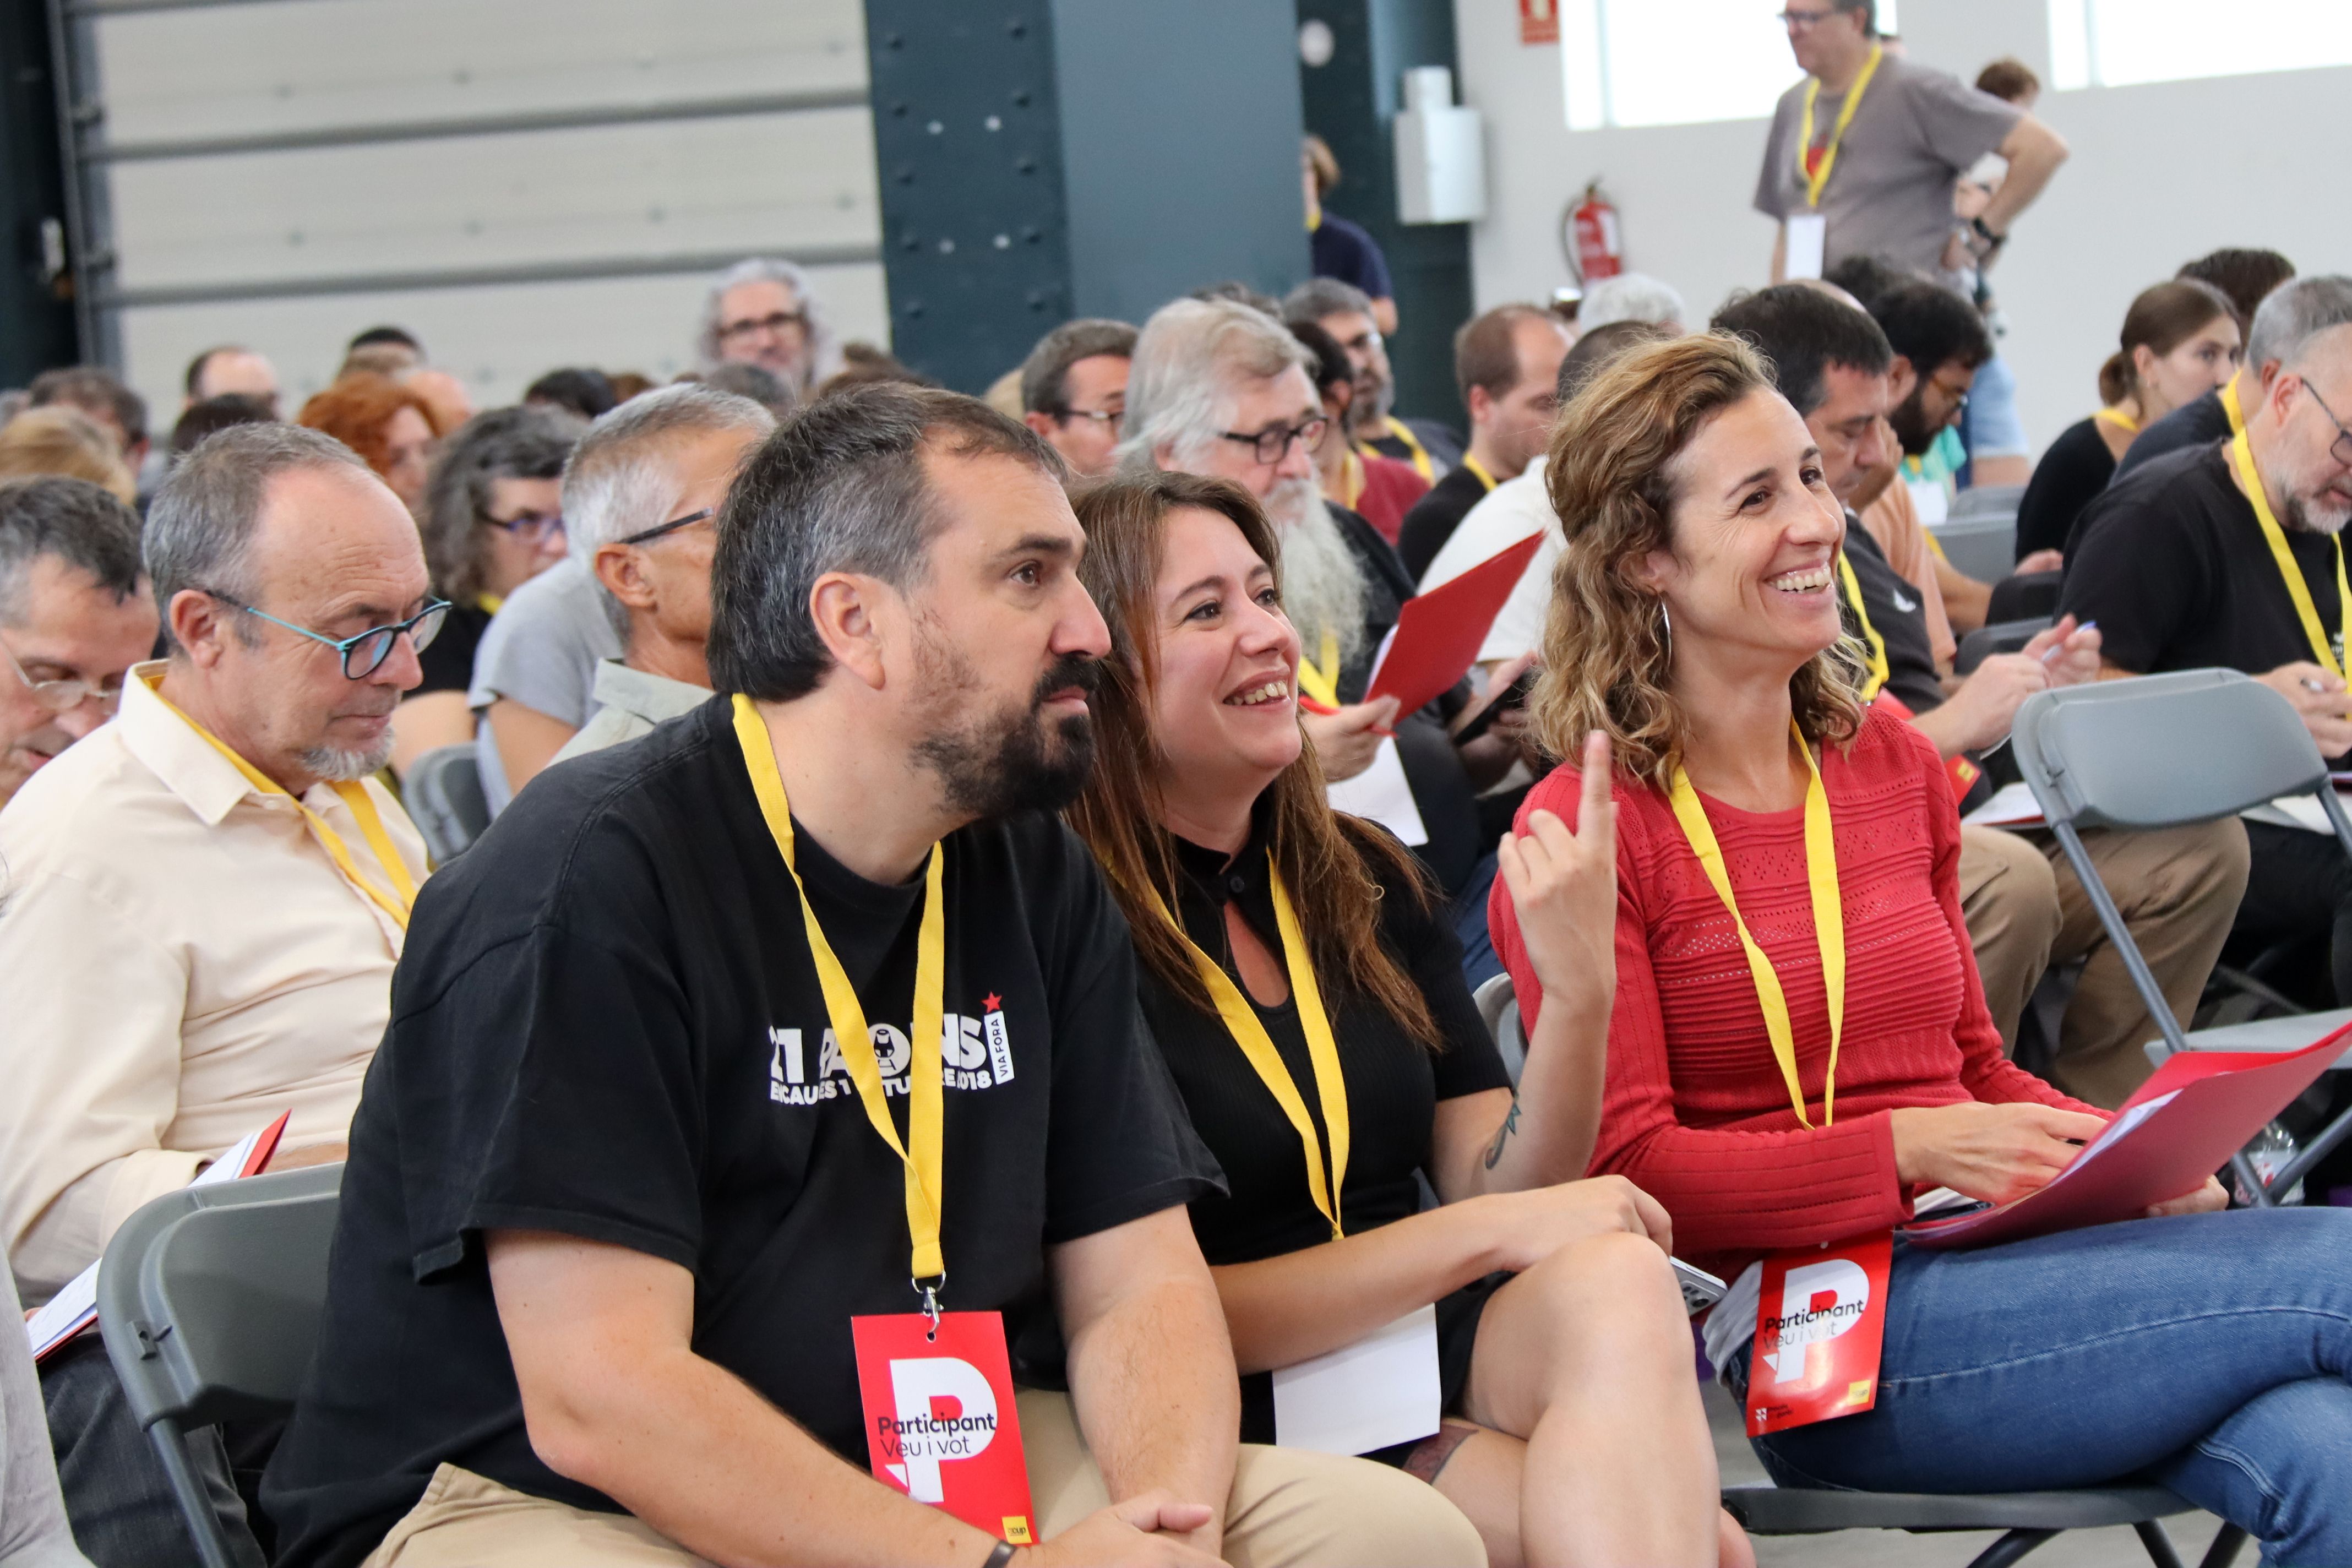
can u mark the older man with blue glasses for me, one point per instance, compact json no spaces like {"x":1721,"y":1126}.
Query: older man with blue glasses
{"x":200,"y":905}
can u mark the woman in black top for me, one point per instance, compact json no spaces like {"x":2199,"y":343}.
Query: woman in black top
{"x":1561,"y":1341}
{"x":2179,"y":342}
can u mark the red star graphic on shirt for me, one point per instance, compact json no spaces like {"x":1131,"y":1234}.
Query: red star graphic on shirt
{"x":992,"y":1003}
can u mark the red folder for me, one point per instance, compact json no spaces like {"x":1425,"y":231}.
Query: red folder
{"x":1438,"y":633}
{"x":2183,"y":1125}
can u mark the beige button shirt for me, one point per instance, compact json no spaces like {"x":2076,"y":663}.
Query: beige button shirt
{"x":180,"y":960}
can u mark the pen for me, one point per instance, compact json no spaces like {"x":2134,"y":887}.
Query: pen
{"x":2059,"y":647}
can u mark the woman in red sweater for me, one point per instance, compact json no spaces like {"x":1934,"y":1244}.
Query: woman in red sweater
{"x":1695,"y":623}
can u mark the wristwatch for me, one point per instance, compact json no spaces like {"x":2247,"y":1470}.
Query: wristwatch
{"x":999,"y":1555}
{"x":1990,"y":241}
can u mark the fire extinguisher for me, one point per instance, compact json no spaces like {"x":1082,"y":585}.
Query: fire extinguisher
{"x":1599,"y":243}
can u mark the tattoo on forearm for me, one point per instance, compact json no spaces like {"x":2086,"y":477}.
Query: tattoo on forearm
{"x":1502,"y":1134}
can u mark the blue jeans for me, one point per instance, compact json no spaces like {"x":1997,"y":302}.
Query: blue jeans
{"x":2208,"y":1353}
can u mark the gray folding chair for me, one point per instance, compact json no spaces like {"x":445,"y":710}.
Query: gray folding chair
{"x":208,"y":1300}
{"x":1987,"y":500}
{"x":2000,"y":637}
{"x":1982,"y":545}
{"x":443,"y":792}
{"x":1499,"y":1009}
{"x":2163,"y":751}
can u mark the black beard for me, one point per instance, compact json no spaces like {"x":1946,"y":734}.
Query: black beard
{"x":1012,"y":761}
{"x":1910,"y":422}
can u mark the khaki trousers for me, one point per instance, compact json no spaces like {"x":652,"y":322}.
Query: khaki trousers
{"x":2178,"y":890}
{"x":1287,"y":1508}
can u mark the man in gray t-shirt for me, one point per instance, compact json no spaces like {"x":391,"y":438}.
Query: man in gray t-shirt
{"x":534,"y":672}
{"x":1891,"y":169}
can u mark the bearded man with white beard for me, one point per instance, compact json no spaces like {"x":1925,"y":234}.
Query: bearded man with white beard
{"x":200,"y":905}
{"x":1217,"y":387}
{"x":2183,"y":563}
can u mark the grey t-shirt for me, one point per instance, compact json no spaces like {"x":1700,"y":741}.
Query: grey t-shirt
{"x":541,"y":649}
{"x":1890,"y":193}
{"x":33,"y":1529}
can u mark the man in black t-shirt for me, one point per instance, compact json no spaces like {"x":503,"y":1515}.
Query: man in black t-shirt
{"x":2176,"y":565}
{"x":618,"y":1185}
{"x":2023,"y":906}
{"x":1506,"y":364}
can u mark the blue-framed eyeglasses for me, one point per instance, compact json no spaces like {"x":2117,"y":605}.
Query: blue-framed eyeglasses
{"x":363,"y":654}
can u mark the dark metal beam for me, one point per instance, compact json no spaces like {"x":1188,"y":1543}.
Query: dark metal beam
{"x":478,"y":277}
{"x":97,"y":152}
{"x":132,"y":8}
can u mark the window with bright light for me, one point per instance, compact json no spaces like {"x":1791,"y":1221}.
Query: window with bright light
{"x":1646,"y":62}
{"x":2116,"y":43}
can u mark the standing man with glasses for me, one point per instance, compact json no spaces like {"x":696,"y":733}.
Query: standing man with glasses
{"x":74,"y":616}
{"x":202,"y":904}
{"x":1864,"y":154}
{"x":761,"y":311}
{"x":1074,"y":391}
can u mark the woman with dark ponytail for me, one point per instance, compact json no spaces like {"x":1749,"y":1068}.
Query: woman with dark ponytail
{"x":2179,"y":341}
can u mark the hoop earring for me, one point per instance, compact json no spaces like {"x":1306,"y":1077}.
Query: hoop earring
{"x":1665,"y":631}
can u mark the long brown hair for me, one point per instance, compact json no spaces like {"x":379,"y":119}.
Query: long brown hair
{"x":1607,"y":652}
{"x":2162,"y":318}
{"x":1320,"y":854}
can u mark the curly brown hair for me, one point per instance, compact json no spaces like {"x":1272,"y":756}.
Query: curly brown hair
{"x":1608,"y":653}
{"x":356,"y":409}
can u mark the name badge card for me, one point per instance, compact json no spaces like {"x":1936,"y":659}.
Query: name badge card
{"x":941,"y":1424}
{"x":1379,"y":1392}
{"x":1821,"y":1328}
{"x":1807,"y":250}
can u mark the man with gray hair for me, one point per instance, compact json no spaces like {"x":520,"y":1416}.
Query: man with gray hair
{"x":1630,"y":297}
{"x":75,"y":616}
{"x":204,"y":903}
{"x":2185,"y":565}
{"x":1345,"y":312}
{"x":762,"y":311}
{"x":1074,"y":391}
{"x":641,"y":496}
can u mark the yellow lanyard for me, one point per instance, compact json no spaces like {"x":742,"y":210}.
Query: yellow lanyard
{"x":1321,"y":681}
{"x":1817,"y":178}
{"x":402,"y":897}
{"x":1249,"y":1033}
{"x":1829,"y":925}
{"x":1352,"y":479}
{"x":926,"y":1111}
{"x":1871,"y":640}
{"x":2230,"y":406}
{"x":2119,"y":419}
{"x":1478,"y":469}
{"x":1418,"y":454}
{"x":2242,"y":455}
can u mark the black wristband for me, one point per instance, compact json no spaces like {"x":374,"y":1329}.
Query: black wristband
{"x":1000,"y":1556}
{"x":1987,"y":234}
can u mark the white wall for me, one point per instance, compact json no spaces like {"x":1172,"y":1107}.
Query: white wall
{"x":2160,"y":173}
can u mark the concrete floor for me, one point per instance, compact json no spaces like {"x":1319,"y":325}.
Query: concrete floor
{"x":2119,"y":1548}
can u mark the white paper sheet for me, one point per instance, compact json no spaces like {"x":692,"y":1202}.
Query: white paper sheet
{"x":1379,"y":1391}
{"x":1382,"y":794}
{"x":2011,"y":806}
{"x":2301,"y":811}
{"x":1808,"y":247}
{"x":1931,"y":501}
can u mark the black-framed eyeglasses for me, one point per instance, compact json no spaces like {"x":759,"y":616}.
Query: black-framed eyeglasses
{"x":771,"y":324}
{"x":1795,"y":20}
{"x":1108,"y":418}
{"x":63,"y":695}
{"x":366,"y":652}
{"x":532,"y":527}
{"x":2341,"y":448}
{"x":672,"y":526}
{"x":1273,"y":444}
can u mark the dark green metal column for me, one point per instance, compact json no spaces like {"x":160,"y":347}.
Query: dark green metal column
{"x":37,"y":318}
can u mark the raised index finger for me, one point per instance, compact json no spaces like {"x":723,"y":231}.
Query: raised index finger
{"x":1595,"y":822}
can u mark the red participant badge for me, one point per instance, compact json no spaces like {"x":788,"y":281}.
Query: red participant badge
{"x":941,"y":1421}
{"x":1821,"y":1326}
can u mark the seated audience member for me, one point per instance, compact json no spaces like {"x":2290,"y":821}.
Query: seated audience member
{"x":68,"y":443}
{"x":1631,"y":297}
{"x":2247,"y":276}
{"x":75,"y":616}
{"x":232,"y":890}
{"x":387,"y":351}
{"x":2179,"y":564}
{"x":1373,"y":428}
{"x":492,"y":521}
{"x":1518,"y":507}
{"x":760,"y":384}
{"x":535,"y":673}
{"x":1505,"y":364}
{"x":628,"y":384}
{"x":2180,"y":341}
{"x":2022,"y":905}
{"x":2203,"y":1350}
{"x":1379,"y":489}
{"x":606,"y":1319}
{"x":1223,"y":390}
{"x":579,"y":390}
{"x":864,"y":364}
{"x":100,"y":393}
{"x":213,"y":415}
{"x":33,"y":1531}
{"x":1337,"y":248}
{"x":231,"y":370}
{"x":642,"y":496}
{"x":388,"y":423}
{"x":1239,"y":293}
{"x":761,"y":311}
{"x":1574,"y":1431}
{"x":1072,"y":391}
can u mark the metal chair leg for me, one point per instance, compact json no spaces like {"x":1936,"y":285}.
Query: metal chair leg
{"x":2011,"y":1548}
{"x":2160,"y":1545}
{"x":2225,"y":1548}
{"x":196,"y":1502}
